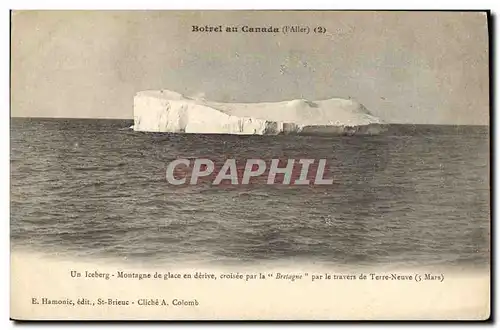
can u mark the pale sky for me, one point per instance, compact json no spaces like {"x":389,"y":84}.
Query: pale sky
{"x":405,"y":67}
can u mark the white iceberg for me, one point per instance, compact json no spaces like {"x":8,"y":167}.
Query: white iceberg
{"x":167,"y":111}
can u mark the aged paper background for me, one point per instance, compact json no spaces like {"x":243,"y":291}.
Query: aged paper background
{"x":461,"y":296}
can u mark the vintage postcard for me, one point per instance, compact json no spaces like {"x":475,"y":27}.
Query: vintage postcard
{"x":250,"y":165}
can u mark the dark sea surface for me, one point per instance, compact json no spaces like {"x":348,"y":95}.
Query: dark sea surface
{"x":416,"y":195}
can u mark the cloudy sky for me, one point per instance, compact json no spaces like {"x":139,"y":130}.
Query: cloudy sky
{"x":405,"y":67}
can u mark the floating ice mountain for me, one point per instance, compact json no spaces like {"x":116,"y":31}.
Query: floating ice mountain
{"x":167,"y":111}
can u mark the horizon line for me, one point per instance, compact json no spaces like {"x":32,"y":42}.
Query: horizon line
{"x":114,"y":118}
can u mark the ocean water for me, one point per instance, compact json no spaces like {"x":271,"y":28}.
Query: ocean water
{"x":416,"y":195}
